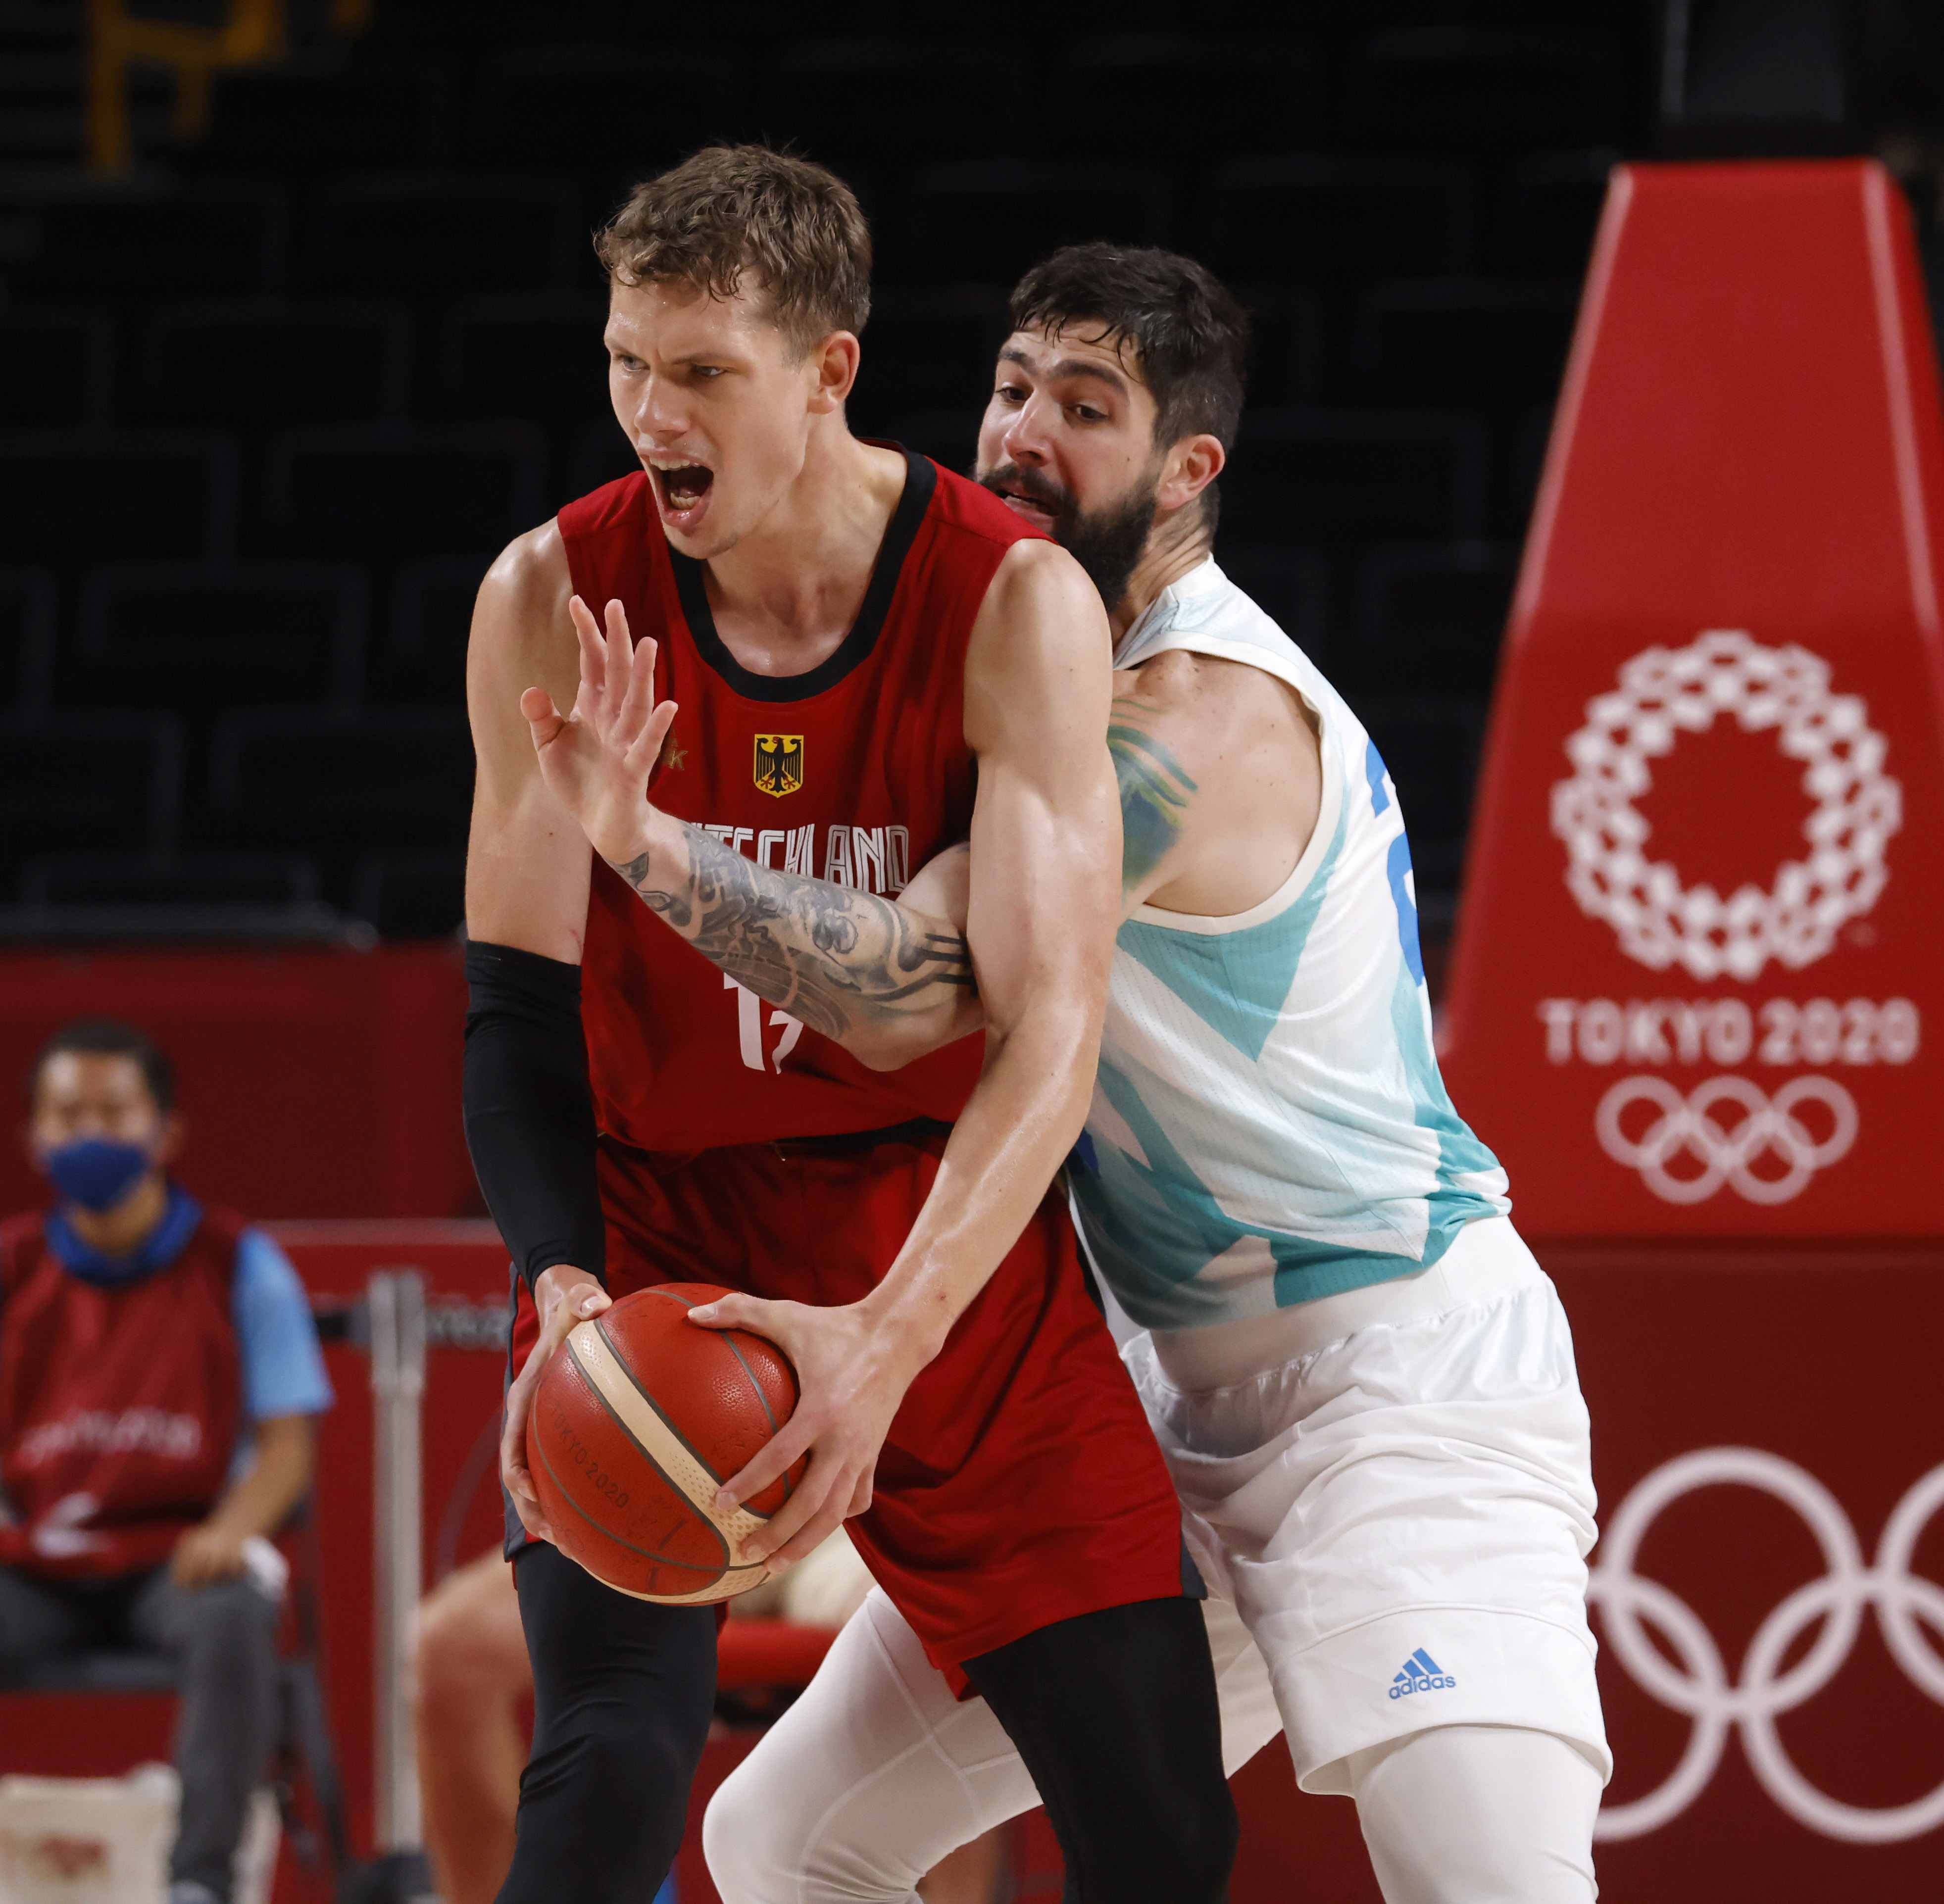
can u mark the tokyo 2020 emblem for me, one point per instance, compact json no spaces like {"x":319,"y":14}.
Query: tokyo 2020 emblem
{"x":1691,"y":1677}
{"x":1665,"y":692}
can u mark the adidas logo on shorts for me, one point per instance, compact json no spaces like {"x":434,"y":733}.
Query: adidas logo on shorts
{"x":1421,"y":1674}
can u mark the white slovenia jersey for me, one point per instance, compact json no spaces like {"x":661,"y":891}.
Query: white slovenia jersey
{"x":1269,"y":1125}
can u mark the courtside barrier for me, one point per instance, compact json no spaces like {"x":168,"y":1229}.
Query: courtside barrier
{"x":1696,"y":990}
{"x":1696,"y":1007}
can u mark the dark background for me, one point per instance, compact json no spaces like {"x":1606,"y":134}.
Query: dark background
{"x":272,"y":396}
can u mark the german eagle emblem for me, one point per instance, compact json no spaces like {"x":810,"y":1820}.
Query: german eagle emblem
{"x":779,"y":764}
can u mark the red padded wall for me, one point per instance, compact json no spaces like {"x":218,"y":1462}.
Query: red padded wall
{"x":1696,"y":990}
{"x":314,"y":1083}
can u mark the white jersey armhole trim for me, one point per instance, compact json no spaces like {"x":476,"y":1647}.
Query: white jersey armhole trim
{"x":1321,"y":835}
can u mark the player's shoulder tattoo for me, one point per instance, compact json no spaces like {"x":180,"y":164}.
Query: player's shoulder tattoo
{"x":1155,"y":789}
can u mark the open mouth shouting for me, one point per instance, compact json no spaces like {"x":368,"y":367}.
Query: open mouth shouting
{"x":681,"y":489}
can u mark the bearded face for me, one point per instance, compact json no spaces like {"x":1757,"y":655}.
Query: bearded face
{"x":1106,"y":537}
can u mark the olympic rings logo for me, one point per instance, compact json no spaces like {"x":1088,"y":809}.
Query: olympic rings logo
{"x":1727,"y":1152}
{"x":1904,"y":1604}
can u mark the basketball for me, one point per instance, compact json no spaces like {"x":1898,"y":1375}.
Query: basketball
{"x":637,"y":1421}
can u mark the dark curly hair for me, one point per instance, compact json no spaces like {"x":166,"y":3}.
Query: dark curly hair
{"x":1188,"y":335}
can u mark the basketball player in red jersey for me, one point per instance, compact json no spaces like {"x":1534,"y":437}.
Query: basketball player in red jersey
{"x":862,"y":660}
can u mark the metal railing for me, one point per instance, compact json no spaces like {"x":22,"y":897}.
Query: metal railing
{"x":396,"y":1325}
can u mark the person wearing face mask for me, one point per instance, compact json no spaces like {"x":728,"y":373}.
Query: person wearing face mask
{"x":159,"y":1375}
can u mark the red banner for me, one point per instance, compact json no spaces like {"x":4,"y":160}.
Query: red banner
{"x":1768,"y":1591}
{"x":314,"y":1083}
{"x":1696,"y":990}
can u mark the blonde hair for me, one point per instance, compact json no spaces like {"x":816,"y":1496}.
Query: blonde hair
{"x":737,"y":212}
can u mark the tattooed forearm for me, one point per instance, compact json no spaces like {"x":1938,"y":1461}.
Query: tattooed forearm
{"x":1155,"y":794}
{"x":840,"y":959}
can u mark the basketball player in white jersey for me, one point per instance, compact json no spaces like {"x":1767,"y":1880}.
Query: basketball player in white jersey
{"x":1362,"y":1381}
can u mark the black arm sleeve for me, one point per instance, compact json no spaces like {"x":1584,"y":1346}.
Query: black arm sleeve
{"x":529,"y":1112}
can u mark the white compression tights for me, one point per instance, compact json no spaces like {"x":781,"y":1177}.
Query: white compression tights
{"x":1478,"y":1814}
{"x":877,"y":1772}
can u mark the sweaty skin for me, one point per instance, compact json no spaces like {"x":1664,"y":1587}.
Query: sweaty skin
{"x":848,"y":963}
{"x":1154,"y":793}
{"x":1218,"y":771}
{"x":753,"y":922}
{"x":788,"y":520}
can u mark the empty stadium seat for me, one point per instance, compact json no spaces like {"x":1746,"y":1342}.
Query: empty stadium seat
{"x":96,"y":498}
{"x":391,"y":780}
{"x":987,"y":220}
{"x":233,"y":882}
{"x":1322,"y":220}
{"x":614,"y":112}
{"x":98,"y":783}
{"x":1463,"y":341}
{"x":1453,"y":87}
{"x":271,"y":364}
{"x":290,"y":118}
{"x":927,"y":347}
{"x":194,"y":639}
{"x":410,"y":895}
{"x":1524,"y":459}
{"x":1291,"y":585}
{"x":1428,"y":620}
{"x":1248,"y":93}
{"x":421,"y":265}
{"x":27,"y":599}
{"x":431,"y":616}
{"x":217,"y":240}
{"x":55,"y":367}
{"x":1338,"y":477}
{"x":852,"y":98}
{"x":522,"y":354}
{"x":1286,"y":354}
{"x":387,"y":490}
{"x":1552,"y":208}
{"x":949,"y":437}
{"x":450,"y":233}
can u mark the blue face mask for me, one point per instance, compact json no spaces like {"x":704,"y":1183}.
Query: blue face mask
{"x":95,"y":1172}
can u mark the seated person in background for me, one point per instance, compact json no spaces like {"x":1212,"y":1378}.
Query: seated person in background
{"x":472,"y":1675}
{"x":158,"y":1372}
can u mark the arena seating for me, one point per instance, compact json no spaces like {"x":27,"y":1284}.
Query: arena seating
{"x":1430,"y":614}
{"x":190,"y":636}
{"x":268,"y":407}
{"x":55,"y":367}
{"x":28,"y":597}
{"x":230,"y":362}
{"x":103,"y":781}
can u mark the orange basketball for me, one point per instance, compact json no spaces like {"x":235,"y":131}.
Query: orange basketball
{"x":637,"y":1421}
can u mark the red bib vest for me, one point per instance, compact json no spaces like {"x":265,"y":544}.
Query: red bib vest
{"x":120,"y":1408}
{"x":857,"y":772}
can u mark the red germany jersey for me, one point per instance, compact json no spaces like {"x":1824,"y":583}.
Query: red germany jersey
{"x":857,"y":772}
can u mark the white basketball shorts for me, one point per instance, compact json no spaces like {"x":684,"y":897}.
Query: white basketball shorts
{"x":1398,"y":1512}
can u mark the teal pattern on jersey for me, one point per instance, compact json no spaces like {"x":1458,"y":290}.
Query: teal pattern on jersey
{"x":1269,"y":1124}
{"x":1235,"y":982}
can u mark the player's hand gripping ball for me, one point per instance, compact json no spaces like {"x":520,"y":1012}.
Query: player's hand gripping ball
{"x":638,"y":1419}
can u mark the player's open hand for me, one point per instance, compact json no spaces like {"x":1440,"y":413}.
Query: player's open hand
{"x":596,"y":760}
{"x":564,"y":1297}
{"x":851,"y":1375}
